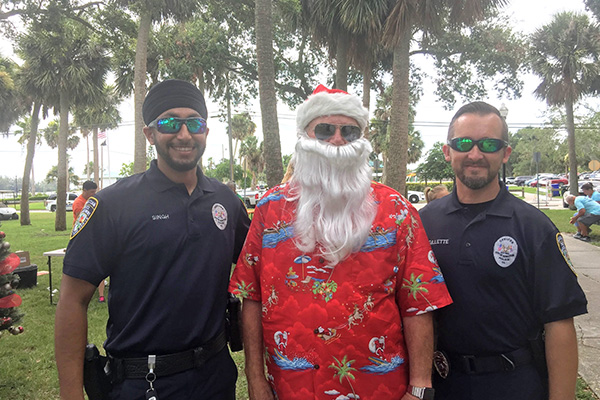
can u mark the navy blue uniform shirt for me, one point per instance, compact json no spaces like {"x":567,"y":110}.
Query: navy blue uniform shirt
{"x":507,"y":270}
{"x":168,"y":255}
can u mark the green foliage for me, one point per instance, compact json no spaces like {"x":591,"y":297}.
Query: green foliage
{"x":473,"y":60}
{"x":526,"y":141}
{"x":435,"y":166}
{"x":11,"y":102}
{"x":566,"y":55}
{"x":126,"y":169}
{"x":222,"y":171}
{"x":52,"y":175}
{"x":594,"y":7}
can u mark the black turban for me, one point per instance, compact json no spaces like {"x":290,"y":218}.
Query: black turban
{"x":172,"y":93}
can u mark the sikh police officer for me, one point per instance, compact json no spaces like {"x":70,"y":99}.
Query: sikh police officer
{"x":167,"y":238}
{"x":509,"y":333}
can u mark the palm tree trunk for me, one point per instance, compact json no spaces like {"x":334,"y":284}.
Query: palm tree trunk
{"x":367,"y":91}
{"x":341,"y":59}
{"x":573,"y":186}
{"x":266,"y":88}
{"x":60,"y":222}
{"x":96,"y":162}
{"x":87,"y":156}
{"x":398,"y":146}
{"x":139,"y":90}
{"x":35,"y":120}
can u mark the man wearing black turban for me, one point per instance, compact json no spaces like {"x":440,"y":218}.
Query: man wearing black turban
{"x":167,"y":238}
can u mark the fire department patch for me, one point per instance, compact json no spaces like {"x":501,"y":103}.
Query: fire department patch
{"x":560,"y":241}
{"x":84,"y":216}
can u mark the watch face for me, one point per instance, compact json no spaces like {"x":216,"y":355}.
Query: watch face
{"x":428,"y":394}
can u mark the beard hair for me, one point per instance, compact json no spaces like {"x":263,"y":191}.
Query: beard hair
{"x":476,"y":182}
{"x":333,"y":187}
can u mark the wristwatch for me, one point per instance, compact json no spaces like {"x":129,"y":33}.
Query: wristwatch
{"x":423,"y":393}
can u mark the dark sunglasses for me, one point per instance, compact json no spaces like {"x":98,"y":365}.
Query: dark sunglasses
{"x":173,"y":124}
{"x":485,"y":145}
{"x":349,"y":132}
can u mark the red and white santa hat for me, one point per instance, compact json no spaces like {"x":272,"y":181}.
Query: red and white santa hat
{"x":324,"y":101}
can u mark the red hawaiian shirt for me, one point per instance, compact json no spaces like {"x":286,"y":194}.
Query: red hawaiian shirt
{"x":335,"y":332}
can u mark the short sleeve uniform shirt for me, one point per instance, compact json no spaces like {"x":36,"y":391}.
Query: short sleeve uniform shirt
{"x":168,"y":255}
{"x":507,"y":270}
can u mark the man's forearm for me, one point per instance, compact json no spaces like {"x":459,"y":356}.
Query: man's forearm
{"x":258,"y":387}
{"x":562,"y":358}
{"x":418,"y":334}
{"x":70,"y":338}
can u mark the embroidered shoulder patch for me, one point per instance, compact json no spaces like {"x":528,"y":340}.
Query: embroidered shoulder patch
{"x":84,"y":216}
{"x":560,"y":241}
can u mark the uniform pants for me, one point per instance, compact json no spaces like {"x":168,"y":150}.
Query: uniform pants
{"x":523,"y":383}
{"x":215,"y":380}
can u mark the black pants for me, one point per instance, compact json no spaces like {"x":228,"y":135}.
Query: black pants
{"x":215,"y":380}
{"x":523,"y":383}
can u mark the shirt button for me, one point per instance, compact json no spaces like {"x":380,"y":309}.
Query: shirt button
{"x":321,"y":260}
{"x":467,"y":244}
{"x":316,"y":366}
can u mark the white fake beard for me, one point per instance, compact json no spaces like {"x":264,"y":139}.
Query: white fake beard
{"x":333,"y":187}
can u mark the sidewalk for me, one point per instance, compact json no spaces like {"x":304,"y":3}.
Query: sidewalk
{"x":585,"y":258}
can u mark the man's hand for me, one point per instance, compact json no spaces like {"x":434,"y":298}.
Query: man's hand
{"x":572,"y":220}
{"x":259,"y":389}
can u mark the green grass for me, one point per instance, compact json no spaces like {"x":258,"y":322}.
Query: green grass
{"x":27,"y":368}
{"x":561,"y":220}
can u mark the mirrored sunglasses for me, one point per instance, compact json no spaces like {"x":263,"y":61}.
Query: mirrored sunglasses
{"x":487,"y":145}
{"x":349,"y":132}
{"x":173,"y":125}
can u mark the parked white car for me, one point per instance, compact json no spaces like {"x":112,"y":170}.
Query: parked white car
{"x":51,"y":202}
{"x":8,"y":212}
{"x":415,"y":197}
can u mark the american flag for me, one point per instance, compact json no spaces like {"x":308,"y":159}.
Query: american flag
{"x":102,"y":135}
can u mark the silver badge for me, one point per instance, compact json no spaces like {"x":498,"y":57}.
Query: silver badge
{"x":219,"y":214}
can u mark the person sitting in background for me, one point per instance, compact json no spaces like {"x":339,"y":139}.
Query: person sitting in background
{"x":435,"y":192}
{"x":588,"y":190}
{"x":588,"y":212}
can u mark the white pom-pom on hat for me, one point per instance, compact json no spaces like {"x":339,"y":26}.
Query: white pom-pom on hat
{"x":324,"y":101}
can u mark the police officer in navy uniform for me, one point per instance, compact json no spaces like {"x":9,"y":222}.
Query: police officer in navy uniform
{"x":509,"y":333}
{"x":167,"y":238}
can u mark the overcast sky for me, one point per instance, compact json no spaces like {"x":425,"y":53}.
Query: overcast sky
{"x":527,"y":15}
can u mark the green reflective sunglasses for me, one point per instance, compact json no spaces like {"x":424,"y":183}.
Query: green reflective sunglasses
{"x":486,"y":145}
{"x":173,"y":124}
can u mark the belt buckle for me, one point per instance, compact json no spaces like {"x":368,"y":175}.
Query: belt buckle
{"x":509,"y":365}
{"x":199,"y":356}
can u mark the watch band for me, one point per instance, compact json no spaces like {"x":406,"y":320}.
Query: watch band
{"x":423,"y":393}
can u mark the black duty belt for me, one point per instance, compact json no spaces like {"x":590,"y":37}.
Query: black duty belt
{"x":167,"y":364}
{"x":470,"y":364}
